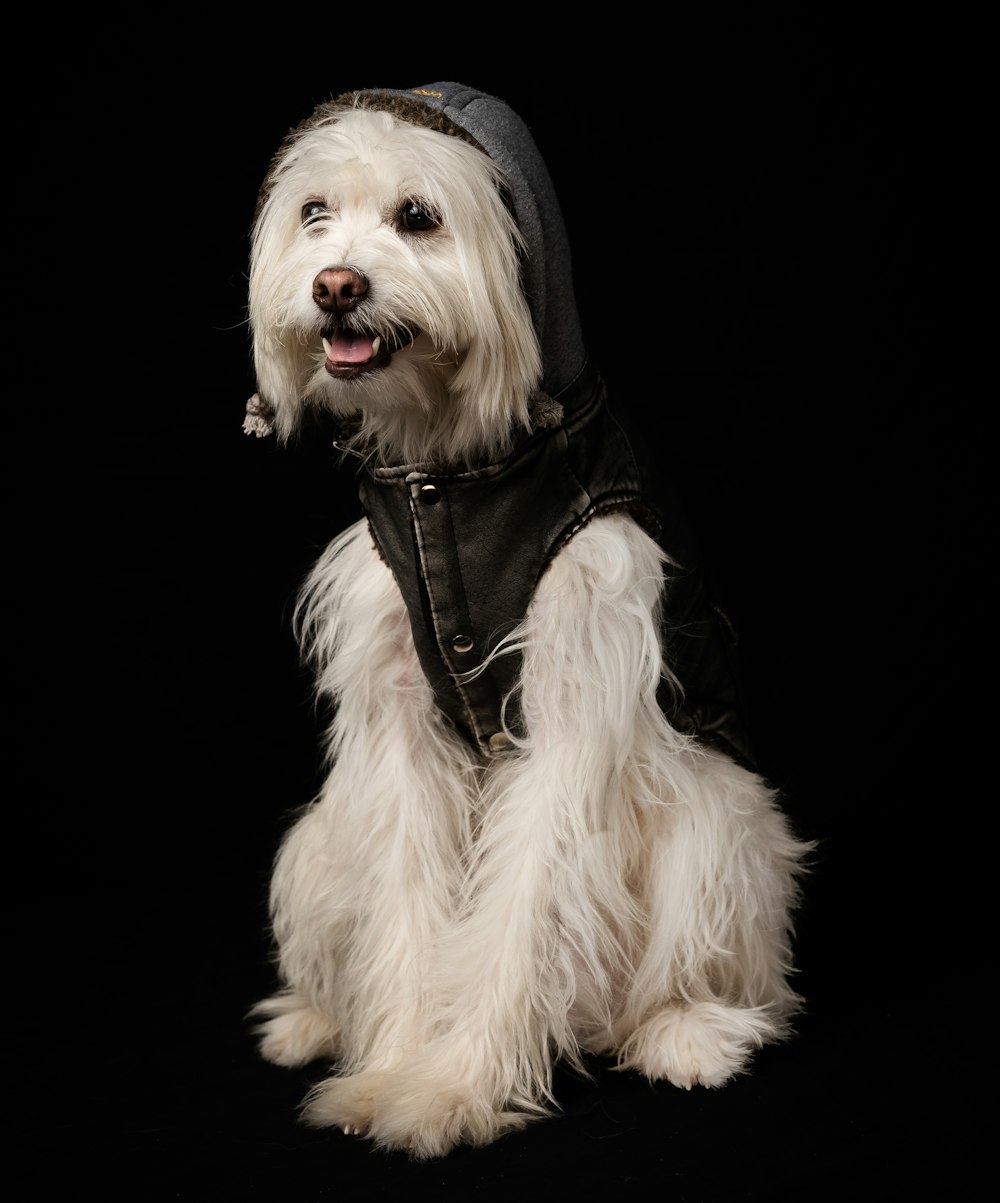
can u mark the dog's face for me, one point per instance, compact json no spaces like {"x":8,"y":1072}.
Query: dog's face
{"x":385,"y":283}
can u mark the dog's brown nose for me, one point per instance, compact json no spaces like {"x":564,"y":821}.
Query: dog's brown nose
{"x":338,"y":289}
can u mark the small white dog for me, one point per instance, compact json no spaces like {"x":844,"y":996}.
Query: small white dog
{"x":540,"y":835}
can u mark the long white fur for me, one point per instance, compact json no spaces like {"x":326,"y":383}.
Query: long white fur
{"x":446,"y":928}
{"x":466,"y":381}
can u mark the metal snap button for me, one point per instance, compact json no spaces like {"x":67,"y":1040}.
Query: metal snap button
{"x":500,"y":741}
{"x":461,"y":644}
{"x":430,"y":494}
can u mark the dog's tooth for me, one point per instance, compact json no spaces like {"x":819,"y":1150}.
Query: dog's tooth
{"x":376,"y":343}
{"x":326,"y":347}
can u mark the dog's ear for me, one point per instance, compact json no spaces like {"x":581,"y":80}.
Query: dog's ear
{"x":502,"y":365}
{"x":277,"y":352}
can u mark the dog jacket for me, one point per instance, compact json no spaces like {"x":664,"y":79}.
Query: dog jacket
{"x":468,"y":547}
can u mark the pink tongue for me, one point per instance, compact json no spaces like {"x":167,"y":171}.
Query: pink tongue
{"x":350,"y":348}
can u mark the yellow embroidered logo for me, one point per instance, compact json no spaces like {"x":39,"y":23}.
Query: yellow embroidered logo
{"x":424,"y":92}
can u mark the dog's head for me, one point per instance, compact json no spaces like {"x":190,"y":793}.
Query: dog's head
{"x":392,"y":262}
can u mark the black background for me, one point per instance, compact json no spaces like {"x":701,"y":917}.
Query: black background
{"x":763,"y":214}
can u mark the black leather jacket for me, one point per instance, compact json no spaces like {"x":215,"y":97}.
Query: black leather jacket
{"x":467,"y":549}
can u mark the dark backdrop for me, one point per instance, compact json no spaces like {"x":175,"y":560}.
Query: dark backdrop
{"x":762,"y":216}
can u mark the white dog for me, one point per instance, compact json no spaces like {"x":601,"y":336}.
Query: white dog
{"x":540,"y":836}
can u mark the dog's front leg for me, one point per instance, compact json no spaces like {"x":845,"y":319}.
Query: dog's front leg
{"x":485,"y":1066}
{"x":368,"y":878}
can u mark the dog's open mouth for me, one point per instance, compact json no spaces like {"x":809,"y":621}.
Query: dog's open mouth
{"x":351,"y":353}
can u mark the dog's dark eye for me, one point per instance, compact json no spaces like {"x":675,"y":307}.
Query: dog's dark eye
{"x":312,"y":211}
{"x":417,"y":217}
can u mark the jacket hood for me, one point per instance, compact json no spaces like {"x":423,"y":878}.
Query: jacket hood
{"x":497,"y":130}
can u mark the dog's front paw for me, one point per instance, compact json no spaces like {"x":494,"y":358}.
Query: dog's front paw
{"x":702,"y":1044}
{"x":346,"y":1102}
{"x":424,"y":1117}
{"x":293,"y":1033}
